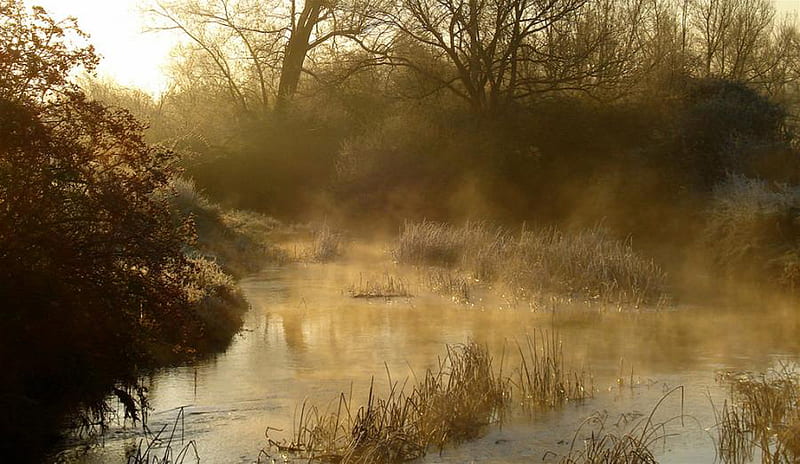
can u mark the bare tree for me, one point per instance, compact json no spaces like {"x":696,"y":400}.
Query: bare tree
{"x":491,"y":52}
{"x":258,"y":49}
{"x":732,"y":33}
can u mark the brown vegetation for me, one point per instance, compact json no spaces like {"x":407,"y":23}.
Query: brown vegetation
{"x":448,"y":405}
{"x":588,"y":265}
{"x":763,"y":415}
{"x":385,"y":286}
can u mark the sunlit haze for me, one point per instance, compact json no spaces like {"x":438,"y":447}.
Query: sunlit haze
{"x":136,"y":58}
{"x":130,"y":55}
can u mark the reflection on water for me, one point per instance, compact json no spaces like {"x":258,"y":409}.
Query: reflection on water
{"x":305,"y":338}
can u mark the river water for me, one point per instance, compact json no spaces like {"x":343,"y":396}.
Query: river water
{"x":305,"y":338}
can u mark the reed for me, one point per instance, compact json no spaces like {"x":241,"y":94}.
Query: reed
{"x":762,"y":414}
{"x":632,"y":443}
{"x":385,"y":286}
{"x":543,"y":380}
{"x":588,"y":265}
{"x":450,"y":283}
{"x":326,"y":245}
{"x":448,"y":405}
{"x":167,"y":446}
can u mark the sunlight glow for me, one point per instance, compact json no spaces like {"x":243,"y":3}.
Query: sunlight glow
{"x":130,"y":56}
{"x":134,"y":57}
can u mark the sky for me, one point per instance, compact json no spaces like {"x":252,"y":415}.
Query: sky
{"x":136,"y":58}
{"x":130,"y":55}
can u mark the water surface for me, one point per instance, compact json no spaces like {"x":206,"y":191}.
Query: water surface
{"x":306,"y":338}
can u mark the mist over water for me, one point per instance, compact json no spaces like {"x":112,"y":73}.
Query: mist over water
{"x":306,"y":339}
{"x":330,"y":200}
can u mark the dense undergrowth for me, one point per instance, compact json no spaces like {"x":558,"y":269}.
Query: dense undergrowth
{"x":238,"y":241}
{"x":753,"y":231}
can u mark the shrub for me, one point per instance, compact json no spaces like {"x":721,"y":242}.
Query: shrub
{"x":94,"y":281}
{"x":753,"y":230}
{"x":239,"y":241}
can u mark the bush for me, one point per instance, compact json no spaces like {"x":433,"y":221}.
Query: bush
{"x":236,"y":240}
{"x":94,"y":281}
{"x":753,"y":230}
{"x":719,"y":127}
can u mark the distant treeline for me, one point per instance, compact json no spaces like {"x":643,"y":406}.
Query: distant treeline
{"x":636,"y":114}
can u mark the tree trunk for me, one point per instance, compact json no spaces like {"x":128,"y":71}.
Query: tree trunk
{"x":296,"y":51}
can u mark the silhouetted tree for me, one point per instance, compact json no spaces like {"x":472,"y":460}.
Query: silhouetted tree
{"x":263,"y":45}
{"x":94,"y":280}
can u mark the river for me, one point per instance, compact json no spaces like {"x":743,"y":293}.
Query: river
{"x":306,"y":338}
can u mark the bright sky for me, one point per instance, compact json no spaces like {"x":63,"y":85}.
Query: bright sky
{"x":135,"y":58}
{"x":130,"y":56}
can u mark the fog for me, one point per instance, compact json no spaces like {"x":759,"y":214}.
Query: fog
{"x":433,"y":231}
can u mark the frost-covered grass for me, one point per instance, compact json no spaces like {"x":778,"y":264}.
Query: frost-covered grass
{"x":590,"y":264}
{"x":239,"y":241}
{"x":753,"y":230}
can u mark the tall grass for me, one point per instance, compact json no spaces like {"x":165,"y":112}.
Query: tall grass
{"x":385,"y":286}
{"x":589,"y":265}
{"x":763,"y":414}
{"x":753,"y":230}
{"x":543,"y":380}
{"x":450,"y":283}
{"x":448,"y":405}
{"x":326,"y":245}
{"x":611,"y":444}
{"x":167,"y":446}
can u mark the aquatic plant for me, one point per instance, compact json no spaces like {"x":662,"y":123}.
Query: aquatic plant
{"x":631,"y":443}
{"x":543,"y":380}
{"x":450,"y":283}
{"x":325,"y":246}
{"x":158,"y":448}
{"x":590,"y":265}
{"x":761,"y":414}
{"x":448,"y":405}
{"x":385,"y":286}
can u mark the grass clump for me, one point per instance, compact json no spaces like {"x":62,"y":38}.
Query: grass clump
{"x":763,"y":414}
{"x":543,"y":380}
{"x":622,"y":442}
{"x":589,"y":265}
{"x":386,"y":286}
{"x":326,"y":245}
{"x":450,"y":283}
{"x":448,"y":405}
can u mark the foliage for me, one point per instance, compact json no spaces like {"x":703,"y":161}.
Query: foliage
{"x":753,"y":230}
{"x":238,"y":241}
{"x":94,"y":280}
{"x":762,"y":413}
